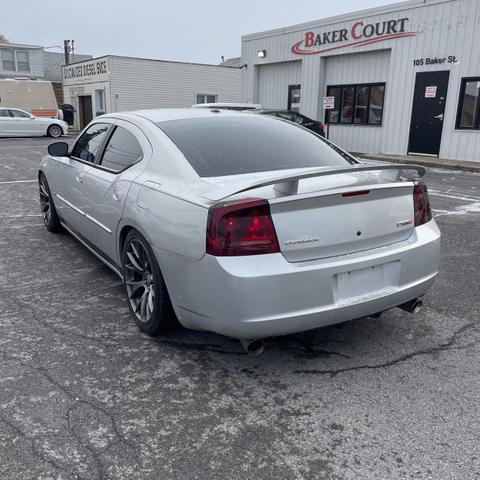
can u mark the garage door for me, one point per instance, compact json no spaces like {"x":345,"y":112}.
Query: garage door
{"x":274,"y":82}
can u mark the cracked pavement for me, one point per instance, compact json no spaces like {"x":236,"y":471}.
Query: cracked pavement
{"x":84,"y":395}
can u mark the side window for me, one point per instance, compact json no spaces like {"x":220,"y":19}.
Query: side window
{"x":90,"y":141}
{"x":285,"y":116}
{"x":4,"y":113}
{"x":298,"y":119}
{"x":122,"y":150}
{"x":19,"y":114}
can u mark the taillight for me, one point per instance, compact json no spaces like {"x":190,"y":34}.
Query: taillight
{"x":241,"y":228}
{"x":421,"y":204}
{"x":321,"y":125}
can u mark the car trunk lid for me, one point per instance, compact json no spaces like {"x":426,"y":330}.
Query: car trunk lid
{"x":344,"y":222}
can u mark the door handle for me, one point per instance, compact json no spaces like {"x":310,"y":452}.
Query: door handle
{"x":439,"y":117}
{"x":79,"y":178}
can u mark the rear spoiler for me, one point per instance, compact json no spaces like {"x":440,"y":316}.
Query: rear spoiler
{"x":288,"y":183}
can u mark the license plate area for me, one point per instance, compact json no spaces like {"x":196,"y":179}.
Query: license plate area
{"x":354,"y":286}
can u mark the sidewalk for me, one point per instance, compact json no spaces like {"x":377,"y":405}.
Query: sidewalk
{"x":464,"y":165}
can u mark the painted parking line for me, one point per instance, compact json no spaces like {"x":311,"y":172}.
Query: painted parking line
{"x":21,"y":215}
{"x":18,"y":181}
{"x":455,"y":197}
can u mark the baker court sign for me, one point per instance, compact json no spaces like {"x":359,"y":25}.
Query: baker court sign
{"x":359,"y":33}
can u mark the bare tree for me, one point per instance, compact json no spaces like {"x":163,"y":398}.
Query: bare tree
{"x":3,"y":39}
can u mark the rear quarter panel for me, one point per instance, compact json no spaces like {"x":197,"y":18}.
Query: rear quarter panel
{"x":170,"y":224}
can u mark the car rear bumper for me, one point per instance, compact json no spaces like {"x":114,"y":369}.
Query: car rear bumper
{"x":264,"y":295}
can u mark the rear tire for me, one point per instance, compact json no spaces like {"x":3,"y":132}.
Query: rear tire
{"x":147,"y":294}
{"x":54,"y":131}
{"x":49,"y":213}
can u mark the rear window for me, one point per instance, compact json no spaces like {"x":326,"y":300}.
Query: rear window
{"x":221,"y":146}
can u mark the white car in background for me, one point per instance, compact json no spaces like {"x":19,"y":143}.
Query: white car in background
{"x":15,"y":122}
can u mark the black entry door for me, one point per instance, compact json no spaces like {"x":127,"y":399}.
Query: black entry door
{"x":85,"y":107}
{"x":428,"y":112}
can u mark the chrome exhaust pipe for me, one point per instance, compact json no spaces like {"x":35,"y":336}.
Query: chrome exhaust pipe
{"x":413,"y":306}
{"x":253,"y":346}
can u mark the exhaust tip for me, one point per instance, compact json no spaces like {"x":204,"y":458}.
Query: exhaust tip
{"x":253,"y":347}
{"x":413,"y":306}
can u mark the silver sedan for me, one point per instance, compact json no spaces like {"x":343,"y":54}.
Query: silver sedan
{"x":241,"y":224}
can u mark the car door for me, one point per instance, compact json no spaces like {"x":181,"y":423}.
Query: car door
{"x":105,"y":186}
{"x":70,"y":174}
{"x":6,"y":123}
{"x":22,"y":123}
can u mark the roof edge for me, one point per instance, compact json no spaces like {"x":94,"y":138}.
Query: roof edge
{"x":154,"y":60}
{"x":322,"y":22}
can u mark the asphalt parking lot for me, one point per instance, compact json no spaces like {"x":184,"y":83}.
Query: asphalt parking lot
{"x":85,"y":395}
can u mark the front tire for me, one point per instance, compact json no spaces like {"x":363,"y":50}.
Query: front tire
{"x":54,"y":131}
{"x":145,"y":287}
{"x":49,"y":213}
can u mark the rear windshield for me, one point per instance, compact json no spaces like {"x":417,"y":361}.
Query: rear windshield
{"x":221,"y":146}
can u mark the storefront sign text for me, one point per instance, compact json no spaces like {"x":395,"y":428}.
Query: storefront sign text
{"x":359,"y":34}
{"x":418,"y":62}
{"x":85,"y":70}
{"x":328,"y":103}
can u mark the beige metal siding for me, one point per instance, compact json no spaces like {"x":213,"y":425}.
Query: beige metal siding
{"x":139,"y":83}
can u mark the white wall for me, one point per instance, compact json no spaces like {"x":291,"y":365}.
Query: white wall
{"x":139,"y":83}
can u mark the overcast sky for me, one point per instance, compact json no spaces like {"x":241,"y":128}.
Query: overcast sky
{"x":184,"y":30}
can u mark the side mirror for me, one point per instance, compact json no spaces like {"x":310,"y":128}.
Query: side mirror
{"x":58,"y":149}
{"x":32,"y":117}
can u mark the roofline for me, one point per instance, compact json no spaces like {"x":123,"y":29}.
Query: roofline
{"x":394,"y":7}
{"x":153,"y":60}
{"x":17,"y":45}
{"x":63,"y":54}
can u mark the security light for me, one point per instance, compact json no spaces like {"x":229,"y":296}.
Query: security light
{"x":261,"y":53}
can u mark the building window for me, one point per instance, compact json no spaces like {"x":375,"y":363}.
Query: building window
{"x":8,"y":60}
{"x":23,"y":61}
{"x":100,"y":102}
{"x":203,"y":98}
{"x":468,"y":116}
{"x":356,"y":104}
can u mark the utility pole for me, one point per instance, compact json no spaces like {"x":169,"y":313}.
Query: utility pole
{"x":68,"y":48}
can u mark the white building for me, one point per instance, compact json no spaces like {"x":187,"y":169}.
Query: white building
{"x":112,"y":84}
{"x":405,"y":77}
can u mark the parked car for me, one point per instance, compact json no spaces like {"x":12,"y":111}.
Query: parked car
{"x":239,"y":223}
{"x":229,"y":106}
{"x":18,"y":123}
{"x":313,"y":125}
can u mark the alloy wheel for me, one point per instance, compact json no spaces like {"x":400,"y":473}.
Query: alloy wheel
{"x":55,"y":131}
{"x":45,"y":201}
{"x":139,"y":280}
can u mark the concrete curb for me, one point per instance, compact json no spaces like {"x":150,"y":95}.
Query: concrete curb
{"x":463,"y":165}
